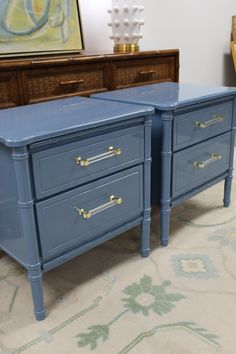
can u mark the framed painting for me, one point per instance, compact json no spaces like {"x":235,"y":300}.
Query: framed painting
{"x":39,"y":27}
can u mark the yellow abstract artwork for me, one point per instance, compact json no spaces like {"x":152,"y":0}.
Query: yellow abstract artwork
{"x":36,"y":26}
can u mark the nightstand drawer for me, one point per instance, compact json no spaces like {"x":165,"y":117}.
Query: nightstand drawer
{"x":200,"y":124}
{"x":195,"y":166}
{"x":76,"y":217}
{"x":66,"y":166}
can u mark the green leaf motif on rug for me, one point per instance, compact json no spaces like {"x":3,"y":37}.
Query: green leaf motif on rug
{"x":95,"y":333}
{"x":145,"y":297}
{"x":142,"y":297}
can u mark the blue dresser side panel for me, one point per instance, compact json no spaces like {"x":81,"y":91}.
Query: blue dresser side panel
{"x":11,"y":237}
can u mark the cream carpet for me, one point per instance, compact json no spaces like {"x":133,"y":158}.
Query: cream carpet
{"x":180,"y":300}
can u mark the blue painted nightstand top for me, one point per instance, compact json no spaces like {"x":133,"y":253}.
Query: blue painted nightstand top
{"x":168,"y":95}
{"x":27,"y":124}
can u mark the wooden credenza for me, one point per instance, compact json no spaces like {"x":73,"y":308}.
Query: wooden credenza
{"x":36,"y":79}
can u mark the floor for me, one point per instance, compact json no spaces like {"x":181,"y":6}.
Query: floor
{"x":180,"y":300}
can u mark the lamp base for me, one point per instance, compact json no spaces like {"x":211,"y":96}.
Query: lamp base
{"x":126,"y":48}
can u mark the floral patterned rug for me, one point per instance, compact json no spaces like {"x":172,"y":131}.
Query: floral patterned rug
{"x":180,"y":300}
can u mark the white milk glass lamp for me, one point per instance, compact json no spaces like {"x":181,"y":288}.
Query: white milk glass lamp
{"x":126,"y":22}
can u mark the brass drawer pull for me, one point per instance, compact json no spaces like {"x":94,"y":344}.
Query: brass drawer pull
{"x":71,"y":82}
{"x":113,"y":201}
{"x":214,"y":157}
{"x":215,"y":120}
{"x":110,"y":153}
{"x":148,"y":72}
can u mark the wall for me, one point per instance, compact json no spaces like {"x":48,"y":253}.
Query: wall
{"x":200,"y":29}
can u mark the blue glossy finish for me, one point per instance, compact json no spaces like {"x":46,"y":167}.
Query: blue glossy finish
{"x":229,"y":177}
{"x":185,"y":176}
{"x":146,"y":224}
{"x":20,"y":157}
{"x":55,"y":169}
{"x":61,"y":228}
{"x":185,"y":131}
{"x":41,"y":184}
{"x":198,"y":189}
{"x":168,"y":95}
{"x":166,"y":158}
{"x":11,"y":236}
{"x":176,"y":139}
{"x":34,"y":123}
{"x":95,"y":242}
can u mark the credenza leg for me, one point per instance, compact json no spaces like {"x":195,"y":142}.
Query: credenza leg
{"x":35,"y":278}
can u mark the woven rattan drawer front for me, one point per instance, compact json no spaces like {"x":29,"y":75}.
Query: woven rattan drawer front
{"x":41,"y":84}
{"x":8,"y":90}
{"x":143,"y":71}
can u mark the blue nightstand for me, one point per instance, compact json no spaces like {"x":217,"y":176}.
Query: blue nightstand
{"x":74,"y":173}
{"x":193,"y":137}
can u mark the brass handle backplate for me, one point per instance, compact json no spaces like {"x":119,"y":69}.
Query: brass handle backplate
{"x":203,"y":164}
{"x":147,"y":72}
{"x":216,"y":119}
{"x":86,"y":162}
{"x":87,"y":214}
{"x":71,"y":82}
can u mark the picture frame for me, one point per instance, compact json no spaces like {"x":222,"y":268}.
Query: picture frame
{"x":35,"y":27}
